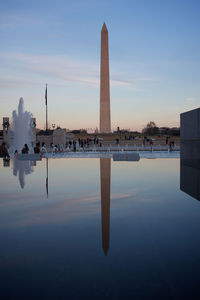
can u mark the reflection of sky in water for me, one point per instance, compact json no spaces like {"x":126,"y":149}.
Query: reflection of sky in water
{"x":76,"y":182}
{"x":56,"y":241}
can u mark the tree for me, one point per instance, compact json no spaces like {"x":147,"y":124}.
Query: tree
{"x":151,"y":129}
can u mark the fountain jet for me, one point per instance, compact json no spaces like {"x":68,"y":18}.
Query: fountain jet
{"x":21,"y":128}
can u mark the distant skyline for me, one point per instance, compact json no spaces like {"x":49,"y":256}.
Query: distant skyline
{"x":154,"y":50}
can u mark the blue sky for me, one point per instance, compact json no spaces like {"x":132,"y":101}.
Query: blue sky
{"x":154,"y":49}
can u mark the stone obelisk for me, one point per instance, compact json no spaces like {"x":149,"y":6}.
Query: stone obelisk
{"x":105,"y":124}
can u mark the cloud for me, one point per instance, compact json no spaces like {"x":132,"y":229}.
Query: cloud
{"x":132,"y":79}
{"x":62,"y":211}
{"x":15,"y":82}
{"x":190,"y":99}
{"x":147,"y":79}
{"x":60,"y":68}
{"x":190,"y":103}
{"x":12,"y":20}
{"x":57,"y":67}
{"x":122,"y":83}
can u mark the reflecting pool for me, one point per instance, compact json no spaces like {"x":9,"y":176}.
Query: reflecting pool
{"x":92,"y":228}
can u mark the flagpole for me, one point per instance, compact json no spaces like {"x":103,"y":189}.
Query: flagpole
{"x":47,"y":177}
{"x":46,"y":108}
{"x":46,"y":119}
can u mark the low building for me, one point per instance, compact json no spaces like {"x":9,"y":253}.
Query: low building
{"x":57,"y":136}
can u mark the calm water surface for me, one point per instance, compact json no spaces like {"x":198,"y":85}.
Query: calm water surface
{"x":97,"y":229}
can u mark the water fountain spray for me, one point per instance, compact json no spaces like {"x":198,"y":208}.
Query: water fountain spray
{"x":21,"y":129}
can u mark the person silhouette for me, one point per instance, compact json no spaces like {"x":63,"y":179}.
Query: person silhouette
{"x":25,"y":149}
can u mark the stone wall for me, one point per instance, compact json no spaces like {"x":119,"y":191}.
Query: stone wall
{"x":190,"y":153}
{"x":190,"y":134}
{"x":47,"y":139}
{"x":190,"y":178}
{"x":59,"y":137}
{"x":190,"y":124}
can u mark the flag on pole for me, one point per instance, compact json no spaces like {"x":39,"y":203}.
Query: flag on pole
{"x":46,"y":95}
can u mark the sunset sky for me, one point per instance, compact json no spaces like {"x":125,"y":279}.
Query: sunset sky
{"x":154,"y":49}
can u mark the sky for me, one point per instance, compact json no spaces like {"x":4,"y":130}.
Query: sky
{"x":154,"y":50}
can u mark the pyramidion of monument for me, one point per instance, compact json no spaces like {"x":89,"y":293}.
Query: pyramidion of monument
{"x":104,"y":28}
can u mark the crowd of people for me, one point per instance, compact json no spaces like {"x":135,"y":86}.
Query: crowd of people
{"x":79,"y":143}
{"x":168,"y":142}
{"x":76,"y":144}
{"x":25,"y":150}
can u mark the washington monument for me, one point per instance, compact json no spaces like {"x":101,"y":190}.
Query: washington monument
{"x":105,"y":124}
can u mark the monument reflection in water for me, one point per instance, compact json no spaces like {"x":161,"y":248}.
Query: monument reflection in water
{"x":23,"y":168}
{"x":105,"y":169}
{"x":189,"y":182}
{"x":60,"y":243}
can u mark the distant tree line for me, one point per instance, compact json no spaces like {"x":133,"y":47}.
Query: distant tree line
{"x":149,"y":130}
{"x":79,"y":131}
{"x":152,"y":129}
{"x":45,"y":132}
